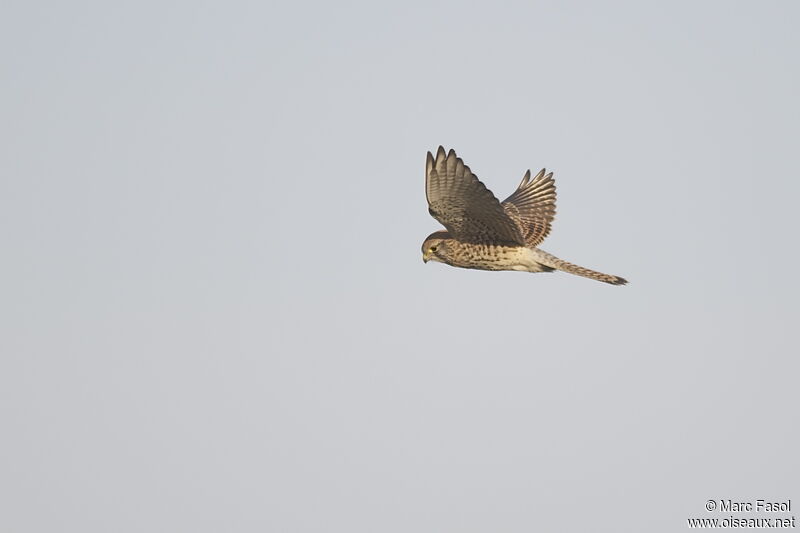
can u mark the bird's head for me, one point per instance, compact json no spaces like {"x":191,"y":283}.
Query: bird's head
{"x":435,"y":247}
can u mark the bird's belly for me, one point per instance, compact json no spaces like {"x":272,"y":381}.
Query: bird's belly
{"x":486,"y":257}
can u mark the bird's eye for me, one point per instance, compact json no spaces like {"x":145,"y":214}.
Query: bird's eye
{"x":432,"y":249}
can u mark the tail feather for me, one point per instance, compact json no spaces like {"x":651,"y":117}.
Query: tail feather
{"x":554,"y":262}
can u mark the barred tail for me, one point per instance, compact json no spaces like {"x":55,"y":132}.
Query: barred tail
{"x":559,"y":264}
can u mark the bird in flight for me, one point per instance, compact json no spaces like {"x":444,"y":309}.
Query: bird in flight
{"x":486,"y":234}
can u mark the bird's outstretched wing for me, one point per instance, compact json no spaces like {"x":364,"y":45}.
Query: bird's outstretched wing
{"x":533,"y":206}
{"x":469,"y":211}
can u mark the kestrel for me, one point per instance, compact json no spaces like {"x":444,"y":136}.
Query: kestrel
{"x":485,"y":234}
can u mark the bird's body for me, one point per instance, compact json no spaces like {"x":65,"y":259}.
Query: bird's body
{"x":483,"y":233}
{"x":483,"y":256}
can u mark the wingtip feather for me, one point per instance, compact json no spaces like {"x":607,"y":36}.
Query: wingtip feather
{"x":525,"y":179}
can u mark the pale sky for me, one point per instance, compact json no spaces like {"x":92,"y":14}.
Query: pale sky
{"x":215,"y":314}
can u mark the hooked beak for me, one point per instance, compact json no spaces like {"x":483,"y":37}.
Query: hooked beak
{"x":426,"y":257}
